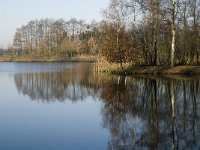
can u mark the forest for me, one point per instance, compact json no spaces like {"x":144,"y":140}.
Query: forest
{"x":134,"y":32}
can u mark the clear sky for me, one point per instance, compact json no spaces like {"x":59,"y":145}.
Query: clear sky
{"x":15,"y":13}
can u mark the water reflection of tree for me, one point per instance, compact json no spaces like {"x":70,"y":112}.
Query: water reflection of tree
{"x":140,"y":113}
{"x":73,"y":84}
{"x":152,"y":114}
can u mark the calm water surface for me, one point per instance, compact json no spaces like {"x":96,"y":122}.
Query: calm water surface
{"x":67,"y":106}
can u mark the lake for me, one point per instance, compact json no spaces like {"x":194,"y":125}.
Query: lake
{"x":59,"y":106}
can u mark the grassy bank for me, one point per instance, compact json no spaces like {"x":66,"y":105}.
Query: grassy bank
{"x":104,"y":66}
{"x":185,"y":70}
{"x":81,"y":58}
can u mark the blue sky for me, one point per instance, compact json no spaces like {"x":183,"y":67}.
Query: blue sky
{"x":15,"y":13}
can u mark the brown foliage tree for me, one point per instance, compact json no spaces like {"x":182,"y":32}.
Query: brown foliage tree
{"x":117,"y":45}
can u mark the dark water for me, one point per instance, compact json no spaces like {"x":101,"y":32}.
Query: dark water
{"x":67,"y":106}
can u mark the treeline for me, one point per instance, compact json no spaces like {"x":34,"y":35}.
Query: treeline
{"x":153,"y":32}
{"x":49,"y":36}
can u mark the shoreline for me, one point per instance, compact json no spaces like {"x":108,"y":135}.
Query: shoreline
{"x":82,"y":58}
{"x":185,"y":70}
{"x":134,"y":70}
{"x":165,"y":70}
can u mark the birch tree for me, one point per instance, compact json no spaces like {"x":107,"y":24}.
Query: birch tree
{"x":173,"y":28}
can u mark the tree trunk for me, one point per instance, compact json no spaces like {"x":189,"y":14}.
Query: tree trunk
{"x":173,"y":26}
{"x":173,"y":46}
